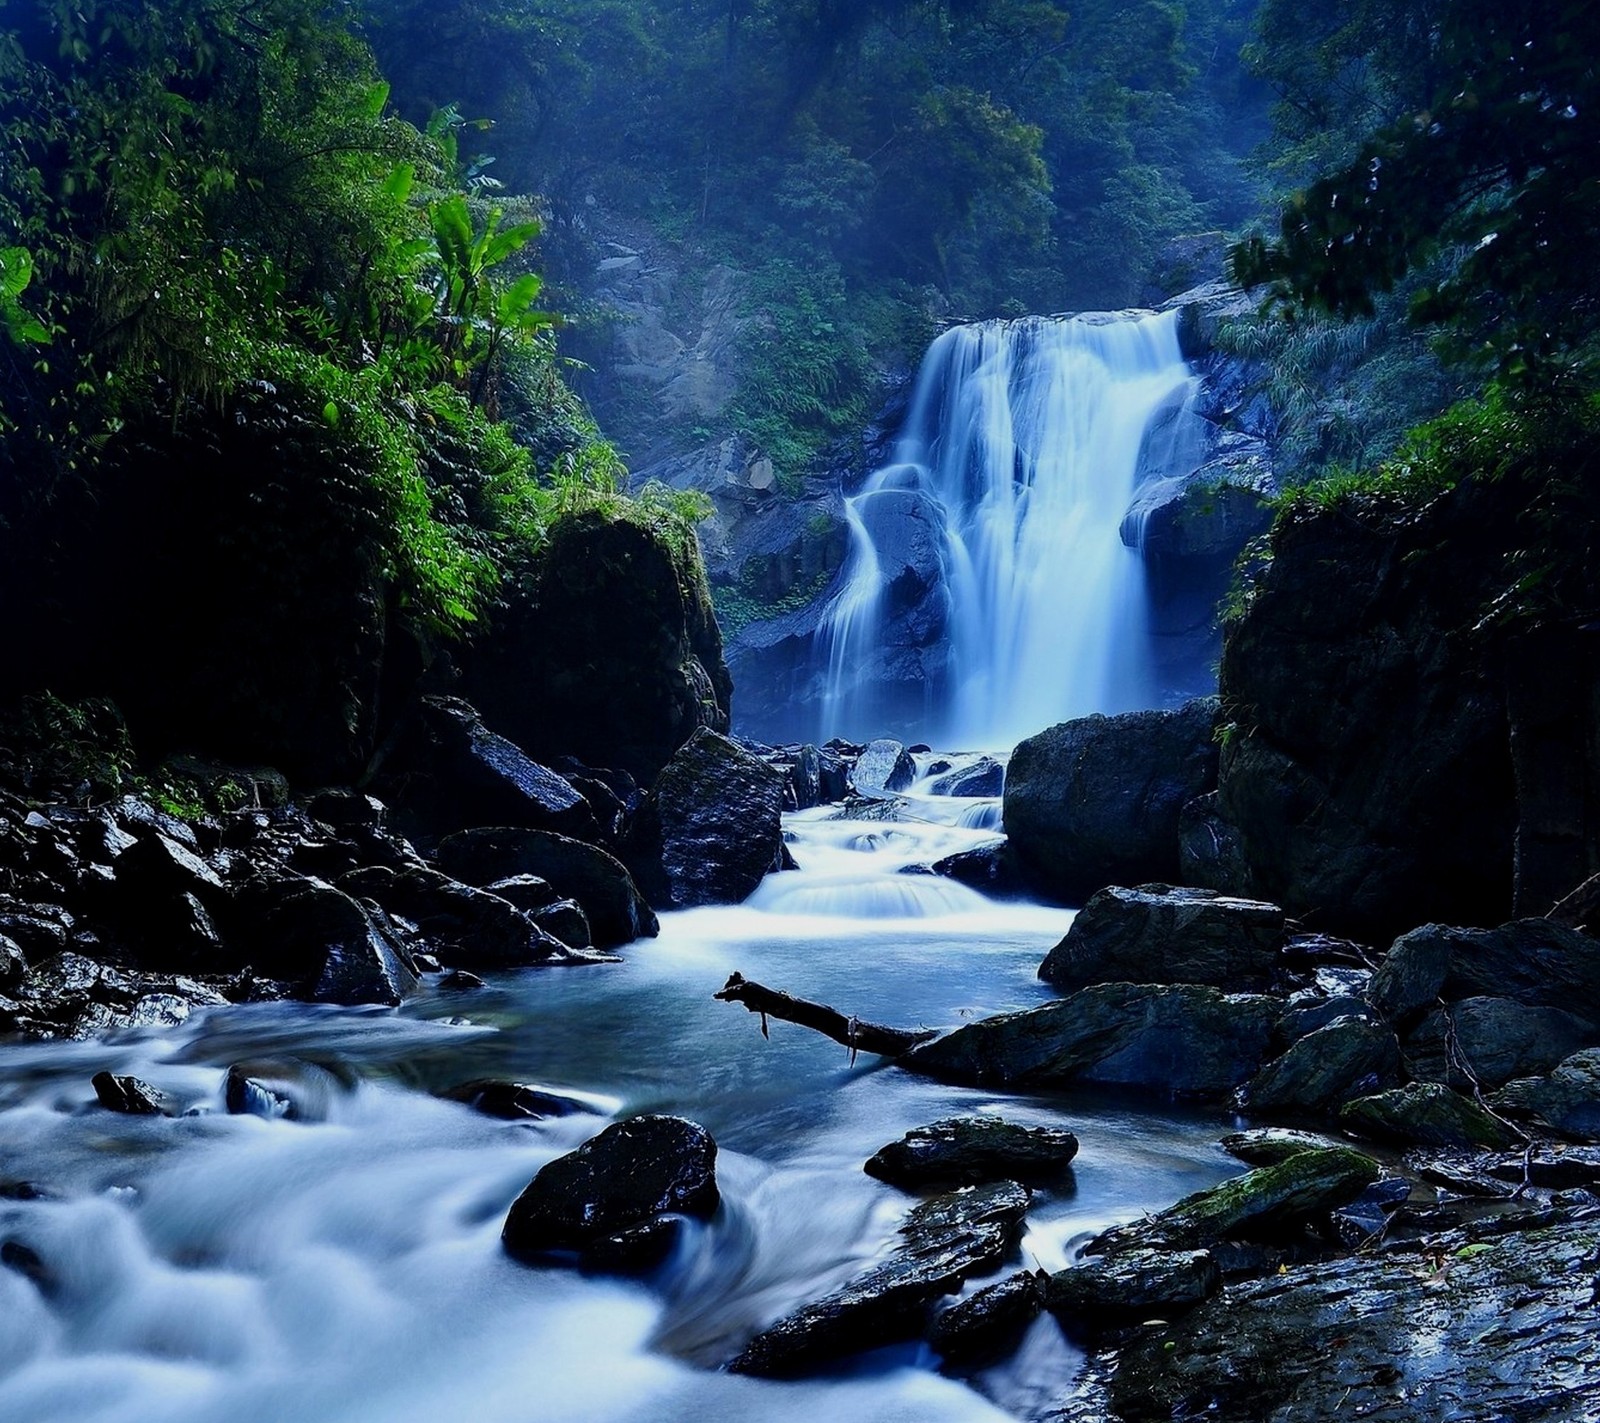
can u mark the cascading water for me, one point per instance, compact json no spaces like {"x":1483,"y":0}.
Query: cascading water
{"x":1024,"y":446}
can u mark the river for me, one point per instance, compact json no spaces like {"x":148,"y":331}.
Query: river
{"x":345,"y":1265}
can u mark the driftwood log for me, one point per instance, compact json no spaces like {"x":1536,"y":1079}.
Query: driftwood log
{"x":851,"y":1032}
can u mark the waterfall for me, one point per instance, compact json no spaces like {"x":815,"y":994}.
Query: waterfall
{"x":998,"y":521}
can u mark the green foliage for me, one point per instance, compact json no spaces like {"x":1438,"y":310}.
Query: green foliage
{"x":1496,"y":167}
{"x":78,"y":751}
{"x":742,"y":603}
{"x":20,"y":326}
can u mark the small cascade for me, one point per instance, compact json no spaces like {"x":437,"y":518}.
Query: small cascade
{"x":1022,"y":453}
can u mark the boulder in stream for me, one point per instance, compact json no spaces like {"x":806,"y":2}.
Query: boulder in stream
{"x":968,"y":1150}
{"x":944,"y":1240}
{"x":988,"y":1324}
{"x":1179,"y":1039}
{"x":609,"y":1200}
{"x":1096,"y":801}
{"x":617,"y":912}
{"x":711,"y":827}
{"x":884,"y":768}
{"x":1131,"y":1285}
{"x":1159,"y":934}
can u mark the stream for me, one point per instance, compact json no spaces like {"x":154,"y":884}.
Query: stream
{"x":345,"y":1265}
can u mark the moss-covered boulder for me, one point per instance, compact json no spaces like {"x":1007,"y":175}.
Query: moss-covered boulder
{"x":1425,"y":1114}
{"x":1268,"y":1201}
{"x":610,"y":653}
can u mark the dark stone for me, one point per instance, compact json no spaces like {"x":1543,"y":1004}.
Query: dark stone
{"x":28,"y":1263}
{"x":13,"y":963}
{"x":129,"y":1096}
{"x":243,"y":1095}
{"x":1424,"y":1114}
{"x":944,"y":1240}
{"x":566,"y":921}
{"x":611,"y":654}
{"x":1532,"y":961}
{"x":344,"y":809}
{"x":528,"y":893}
{"x":1158,"y":934}
{"x":711,"y":827}
{"x":617,"y":912}
{"x":465,"y":926}
{"x":969,"y":1150}
{"x":458,"y":980}
{"x":455,"y":773}
{"x":1505,"y":1332}
{"x":990,"y":869}
{"x":1367,"y":1218}
{"x":1307,"y":1012}
{"x":884,"y":768}
{"x":632,"y":1173}
{"x":818,"y":777}
{"x":1184,"y":1039}
{"x":157,"y":866}
{"x":515,"y":1101}
{"x":1566,"y":1101}
{"x":984,"y":777}
{"x":1095,"y":802}
{"x":1325,"y":1069}
{"x":322,"y":937}
{"x":1209,"y":852}
{"x":1485,"y":1042}
{"x":1267,"y":1202}
{"x":989,"y":1324}
{"x":1130,"y":1286}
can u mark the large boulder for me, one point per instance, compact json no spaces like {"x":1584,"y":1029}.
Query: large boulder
{"x":1394,"y":751}
{"x":1097,"y":1295}
{"x":883,"y":768}
{"x":1097,"y":801}
{"x":967,"y":1150}
{"x":614,"y":1192}
{"x":1158,"y":934}
{"x":1485,"y":1042}
{"x":1182,"y":1039}
{"x":617,"y":912}
{"x":613,"y":655}
{"x":710,"y":828}
{"x":1341,"y":1060}
{"x":1567,"y":1100}
{"x":1425,"y":1114}
{"x":1532,"y":961}
{"x":335,"y":949}
{"x":454,"y":772}
{"x":943,"y":1241}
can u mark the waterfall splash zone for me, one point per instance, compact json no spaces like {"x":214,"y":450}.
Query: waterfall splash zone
{"x":1023,"y":450}
{"x":344,"y":1265}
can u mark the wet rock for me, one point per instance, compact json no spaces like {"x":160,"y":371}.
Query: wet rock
{"x":1267,"y":1146}
{"x":566,"y":921}
{"x":984,"y":777}
{"x":1096,"y":802}
{"x":1209,"y":853}
{"x":617,"y":912}
{"x":528,"y":893}
{"x":1159,"y":934}
{"x":1130,"y":1286}
{"x":818,"y":777}
{"x":1455,"y":1330}
{"x":457,"y":773}
{"x":13,"y":963}
{"x":1425,"y":1114}
{"x":516,"y":1101}
{"x":1308,"y":1010}
{"x":1347,"y":1058}
{"x":335,"y":947}
{"x":944,"y":1240}
{"x":465,"y":926}
{"x":1181,"y":1039}
{"x":344,"y":809}
{"x":990,"y":869}
{"x":130,"y":1096}
{"x":989,"y":1324}
{"x":632,"y":1173}
{"x":458,"y":980}
{"x":710,"y":828}
{"x":1566,"y":1101}
{"x":884,"y":768}
{"x":158,"y":1010}
{"x":1367,"y":1217}
{"x":243,"y":1095}
{"x":969,"y":1150}
{"x":37,"y":931}
{"x":27,"y":1262}
{"x":1267,"y":1202}
{"x":1532,"y":961}
{"x":142,"y":820}
{"x":1488,"y":1041}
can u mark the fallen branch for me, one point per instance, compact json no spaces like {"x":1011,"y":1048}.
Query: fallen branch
{"x":851,"y":1032}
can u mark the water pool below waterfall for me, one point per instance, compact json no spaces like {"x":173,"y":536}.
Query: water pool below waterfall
{"x":347,"y":1266}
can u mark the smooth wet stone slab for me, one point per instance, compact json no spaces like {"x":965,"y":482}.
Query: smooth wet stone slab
{"x":1102,"y":1294}
{"x":990,"y":1323}
{"x":969,"y":1150}
{"x":945,"y":1240}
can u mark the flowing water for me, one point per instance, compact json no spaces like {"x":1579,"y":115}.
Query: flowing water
{"x":345,"y":1265}
{"x":1027,"y":442}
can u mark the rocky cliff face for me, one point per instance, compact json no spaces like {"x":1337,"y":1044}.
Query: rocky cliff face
{"x":1394,"y":753}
